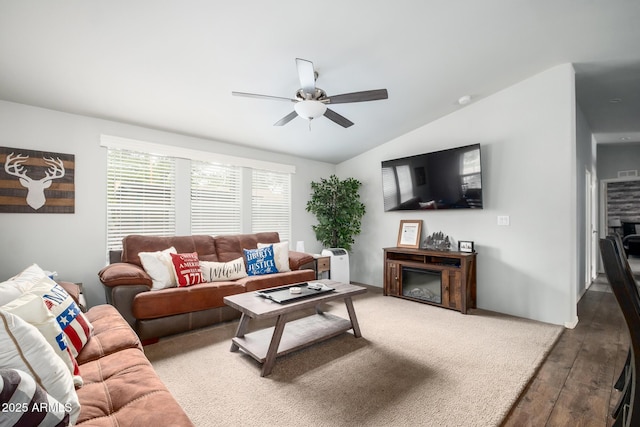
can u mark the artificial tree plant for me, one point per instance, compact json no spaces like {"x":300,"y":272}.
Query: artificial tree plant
{"x":336,"y":204}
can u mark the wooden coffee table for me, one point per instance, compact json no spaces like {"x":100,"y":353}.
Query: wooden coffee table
{"x":266,"y":344}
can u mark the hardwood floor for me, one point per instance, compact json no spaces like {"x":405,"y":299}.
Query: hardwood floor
{"x":574,"y":386}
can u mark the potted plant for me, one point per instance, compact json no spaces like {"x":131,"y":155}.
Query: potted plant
{"x":336,"y":204}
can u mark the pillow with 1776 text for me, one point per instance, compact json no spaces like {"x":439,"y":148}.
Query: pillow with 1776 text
{"x":187,"y":269}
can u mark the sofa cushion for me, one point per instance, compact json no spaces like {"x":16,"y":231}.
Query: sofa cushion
{"x":111,"y":333}
{"x":122,"y":273}
{"x":159,"y":267}
{"x":260,"y":261}
{"x":134,"y":244}
{"x":122,"y":389}
{"x":167,"y":302}
{"x":26,"y":402}
{"x":186,"y":269}
{"x":230,"y":247}
{"x":223,"y":271}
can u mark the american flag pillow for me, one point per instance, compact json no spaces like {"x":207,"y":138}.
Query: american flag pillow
{"x":72,"y":321}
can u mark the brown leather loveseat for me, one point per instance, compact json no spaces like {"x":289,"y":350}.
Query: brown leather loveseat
{"x":157,"y":313}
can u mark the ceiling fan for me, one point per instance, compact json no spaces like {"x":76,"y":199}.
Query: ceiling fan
{"x":311,"y":101}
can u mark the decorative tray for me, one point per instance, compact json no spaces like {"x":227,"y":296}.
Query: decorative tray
{"x":283,"y":294}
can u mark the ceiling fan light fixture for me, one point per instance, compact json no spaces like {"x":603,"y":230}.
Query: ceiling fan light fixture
{"x":310,"y":109}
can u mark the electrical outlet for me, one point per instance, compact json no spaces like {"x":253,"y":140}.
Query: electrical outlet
{"x":503,"y":220}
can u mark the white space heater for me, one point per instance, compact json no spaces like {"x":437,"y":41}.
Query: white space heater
{"x":339,"y":264}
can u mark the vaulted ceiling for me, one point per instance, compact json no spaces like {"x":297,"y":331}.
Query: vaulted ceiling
{"x":172,"y":65}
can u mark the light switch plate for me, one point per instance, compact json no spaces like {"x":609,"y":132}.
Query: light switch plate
{"x":503,"y":220}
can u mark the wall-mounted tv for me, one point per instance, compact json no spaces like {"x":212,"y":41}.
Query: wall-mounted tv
{"x":447,"y":179}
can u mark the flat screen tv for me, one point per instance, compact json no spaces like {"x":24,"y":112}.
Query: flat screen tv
{"x":447,"y":179}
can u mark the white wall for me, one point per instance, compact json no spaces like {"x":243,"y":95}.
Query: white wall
{"x":613,"y":158}
{"x":74,"y":245}
{"x":527,"y":137}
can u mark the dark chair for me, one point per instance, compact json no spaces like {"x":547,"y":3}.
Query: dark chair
{"x":631,"y":238}
{"x":623,"y":381}
{"x":626,"y":293}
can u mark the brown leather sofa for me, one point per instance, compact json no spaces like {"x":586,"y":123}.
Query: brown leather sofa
{"x":121,"y":387}
{"x":158,"y":313}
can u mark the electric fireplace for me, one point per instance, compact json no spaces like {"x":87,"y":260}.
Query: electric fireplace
{"x":422,"y":284}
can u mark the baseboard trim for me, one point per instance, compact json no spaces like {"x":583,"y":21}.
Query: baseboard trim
{"x":572,"y":324}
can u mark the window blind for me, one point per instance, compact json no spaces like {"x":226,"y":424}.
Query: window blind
{"x":140,"y":195}
{"x":215,"y":198}
{"x":271,"y":202}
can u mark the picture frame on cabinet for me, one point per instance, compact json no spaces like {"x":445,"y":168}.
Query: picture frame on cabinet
{"x":409,"y":233}
{"x":465,"y":246}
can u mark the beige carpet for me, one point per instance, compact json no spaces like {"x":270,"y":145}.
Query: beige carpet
{"x":415,"y":365}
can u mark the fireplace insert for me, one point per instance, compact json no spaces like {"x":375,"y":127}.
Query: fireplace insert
{"x":422,"y":284}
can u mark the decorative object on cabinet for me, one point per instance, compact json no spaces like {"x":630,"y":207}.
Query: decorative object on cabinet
{"x":445,"y":279}
{"x":465,"y":246}
{"x":410,"y":233}
{"x":438,"y":241}
{"x":36,"y":181}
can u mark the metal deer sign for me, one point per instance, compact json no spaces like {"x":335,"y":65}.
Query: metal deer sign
{"x":36,"y":181}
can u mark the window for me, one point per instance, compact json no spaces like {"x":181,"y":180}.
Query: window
{"x":177,"y":190}
{"x":215,"y":198}
{"x":140,"y":195}
{"x":271,"y":202}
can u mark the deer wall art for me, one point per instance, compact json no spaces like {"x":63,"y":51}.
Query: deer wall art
{"x":35,"y":174}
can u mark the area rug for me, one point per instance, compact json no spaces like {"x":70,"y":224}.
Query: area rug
{"x":415,"y":364}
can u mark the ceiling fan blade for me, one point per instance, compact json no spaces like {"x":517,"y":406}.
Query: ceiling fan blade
{"x":255,"y":95}
{"x":337,"y":118}
{"x":307,"y":75}
{"x":367,"y":95}
{"x":286,"y":119}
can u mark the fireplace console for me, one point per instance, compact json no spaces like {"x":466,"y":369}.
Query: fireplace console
{"x":443,"y":278}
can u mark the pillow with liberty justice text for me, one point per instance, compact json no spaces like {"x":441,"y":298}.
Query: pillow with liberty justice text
{"x":223,"y":271}
{"x":260,"y":261}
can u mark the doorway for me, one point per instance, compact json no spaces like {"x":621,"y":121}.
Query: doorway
{"x":590,"y":231}
{"x":619,"y":201}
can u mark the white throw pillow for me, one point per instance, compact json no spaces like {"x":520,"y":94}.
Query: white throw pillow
{"x":31,"y":308}
{"x":158,"y":265}
{"x":223,"y":271}
{"x":19,"y":284}
{"x":23,"y":347}
{"x":8,"y":292}
{"x":280,"y":254}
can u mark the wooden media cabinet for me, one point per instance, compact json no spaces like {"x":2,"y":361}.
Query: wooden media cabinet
{"x":443,"y":278}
